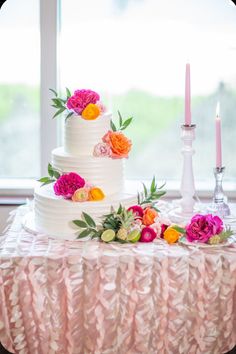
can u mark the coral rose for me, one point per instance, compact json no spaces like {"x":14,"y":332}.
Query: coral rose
{"x":96,"y":194}
{"x":171,"y":235}
{"x":149,"y":216}
{"x":91,"y":112}
{"x":67,"y":184}
{"x":120,"y":145}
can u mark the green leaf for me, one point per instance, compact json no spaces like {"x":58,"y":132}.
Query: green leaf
{"x":48,"y":182}
{"x":163,"y":185}
{"x":126,"y":123}
{"x":56,"y":174}
{"x":43,"y":179}
{"x":84,"y":233}
{"x":139,"y":199}
{"x":80,"y":223}
{"x":59,"y":112}
{"x":89,"y":220}
{"x":55,"y":93}
{"x":113,"y":127}
{"x":179,"y":229}
{"x":153,"y":185}
{"x":68,"y":93}
{"x":50,"y":170}
{"x":119,"y":211}
{"x":158,"y":195}
{"x":145,"y":190}
{"x":120,"y":119}
{"x":69,"y":115}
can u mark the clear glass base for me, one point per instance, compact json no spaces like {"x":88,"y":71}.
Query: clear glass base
{"x":220,"y":209}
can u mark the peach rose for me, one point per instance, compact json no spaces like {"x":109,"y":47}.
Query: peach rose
{"x":80,"y":195}
{"x":120,"y":145}
{"x":96,"y":194}
{"x":91,"y":112}
{"x":149,"y":216}
{"x":171,"y":235}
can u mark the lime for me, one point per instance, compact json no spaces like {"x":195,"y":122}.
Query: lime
{"x":108,"y":235}
{"x":134,"y":236}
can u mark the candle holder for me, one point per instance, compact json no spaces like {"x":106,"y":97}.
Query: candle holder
{"x":187,"y":189}
{"x":219,"y":206}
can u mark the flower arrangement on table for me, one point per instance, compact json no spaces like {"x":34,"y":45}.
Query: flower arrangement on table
{"x":114,"y":143}
{"x":72,"y":186}
{"x":84,"y":103}
{"x":208,"y":229}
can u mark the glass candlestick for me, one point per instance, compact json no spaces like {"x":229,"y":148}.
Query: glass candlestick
{"x":219,"y":206}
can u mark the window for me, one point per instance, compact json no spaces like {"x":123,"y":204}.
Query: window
{"x":134,"y":53}
{"x":19,"y":89}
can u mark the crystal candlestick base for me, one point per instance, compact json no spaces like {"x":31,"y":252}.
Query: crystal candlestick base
{"x":187,"y":188}
{"x":219,"y":206}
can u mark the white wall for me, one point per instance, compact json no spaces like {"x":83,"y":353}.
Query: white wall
{"x":4,"y":212}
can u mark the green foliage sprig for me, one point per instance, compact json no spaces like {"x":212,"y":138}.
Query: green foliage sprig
{"x":150,"y":196}
{"x":112,"y":221}
{"x":60,"y":103}
{"x":53,"y":175}
{"x":123,"y":124}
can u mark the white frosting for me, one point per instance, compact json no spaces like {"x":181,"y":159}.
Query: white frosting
{"x":54,"y":215}
{"x":103,"y":172}
{"x":82,"y":135}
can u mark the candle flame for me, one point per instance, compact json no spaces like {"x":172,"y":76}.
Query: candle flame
{"x":218,"y":109}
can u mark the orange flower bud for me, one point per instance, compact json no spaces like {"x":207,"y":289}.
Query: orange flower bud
{"x":91,"y":112}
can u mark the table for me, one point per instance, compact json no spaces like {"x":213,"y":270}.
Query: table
{"x":73,"y":297}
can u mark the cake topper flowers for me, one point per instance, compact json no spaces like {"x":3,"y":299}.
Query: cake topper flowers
{"x":72,"y":186}
{"x":114,"y":143}
{"x":84,"y":103}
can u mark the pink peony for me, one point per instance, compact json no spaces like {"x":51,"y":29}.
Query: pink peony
{"x":157,"y":227}
{"x":102,"y":150}
{"x":101,"y":107}
{"x":67,"y":184}
{"x":147,"y":234}
{"x":81,"y":98}
{"x":137,"y":211}
{"x":202,"y":227}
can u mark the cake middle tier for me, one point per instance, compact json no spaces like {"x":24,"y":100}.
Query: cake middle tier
{"x":103,"y":172}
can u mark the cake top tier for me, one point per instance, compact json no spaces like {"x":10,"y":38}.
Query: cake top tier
{"x":84,"y":103}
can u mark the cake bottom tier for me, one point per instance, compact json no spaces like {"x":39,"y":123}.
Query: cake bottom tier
{"x":54,"y":215}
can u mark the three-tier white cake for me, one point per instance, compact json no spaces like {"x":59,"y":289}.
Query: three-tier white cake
{"x":53,"y":213}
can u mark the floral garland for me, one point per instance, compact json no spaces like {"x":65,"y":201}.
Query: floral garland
{"x":72,"y":186}
{"x":84,"y":103}
{"x":114,"y":143}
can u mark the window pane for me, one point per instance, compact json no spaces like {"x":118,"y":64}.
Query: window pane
{"x":19,"y":89}
{"x":134,"y":53}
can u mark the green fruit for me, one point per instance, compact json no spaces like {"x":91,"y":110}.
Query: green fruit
{"x":134,"y":236}
{"x":108,"y":235}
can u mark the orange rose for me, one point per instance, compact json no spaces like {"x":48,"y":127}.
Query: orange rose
{"x":96,"y":194}
{"x":91,"y":112}
{"x":120,"y":145}
{"x":171,"y":235}
{"x":149,"y":216}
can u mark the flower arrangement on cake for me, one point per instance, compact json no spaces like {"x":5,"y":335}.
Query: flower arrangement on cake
{"x":84,"y":103}
{"x":114,"y":143}
{"x":72,"y":186}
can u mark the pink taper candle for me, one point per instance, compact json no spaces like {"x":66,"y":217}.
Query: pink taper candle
{"x":218,"y":138}
{"x":187,"y":96}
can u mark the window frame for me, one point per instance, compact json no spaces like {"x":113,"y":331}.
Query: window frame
{"x":15,"y":188}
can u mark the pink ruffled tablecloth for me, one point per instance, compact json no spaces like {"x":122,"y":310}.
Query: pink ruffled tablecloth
{"x":89,"y":297}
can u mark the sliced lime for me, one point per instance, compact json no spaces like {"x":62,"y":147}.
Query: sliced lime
{"x":108,"y":235}
{"x":134,"y":236}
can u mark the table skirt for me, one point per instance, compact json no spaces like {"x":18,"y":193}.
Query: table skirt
{"x":74,"y":297}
